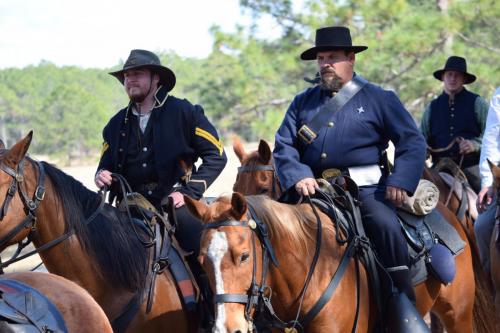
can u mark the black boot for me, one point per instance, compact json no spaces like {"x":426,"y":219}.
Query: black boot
{"x":402,"y":316}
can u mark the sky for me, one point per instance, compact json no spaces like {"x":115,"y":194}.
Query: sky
{"x":100,"y":33}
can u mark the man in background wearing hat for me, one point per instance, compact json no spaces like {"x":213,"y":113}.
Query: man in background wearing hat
{"x":146,"y":140}
{"x":343,"y":124}
{"x":456,"y":114}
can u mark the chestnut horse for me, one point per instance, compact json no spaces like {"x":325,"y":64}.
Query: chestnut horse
{"x":484,"y":291}
{"x":446,"y":301}
{"x":79,"y":310}
{"x":230,"y":254}
{"x":86,"y":241}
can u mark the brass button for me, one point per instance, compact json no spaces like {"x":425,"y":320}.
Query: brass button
{"x":145,"y":149}
{"x":119,"y":165}
{"x":451,"y":134}
{"x":323,"y":155}
{"x":452,"y":115}
{"x":123,"y":133}
{"x":144,"y":165}
{"x":452,"y":108}
{"x":451,"y":127}
{"x":330,"y":124}
{"x":120,"y":150}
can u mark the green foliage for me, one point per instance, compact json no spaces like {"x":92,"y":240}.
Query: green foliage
{"x":246,"y":84}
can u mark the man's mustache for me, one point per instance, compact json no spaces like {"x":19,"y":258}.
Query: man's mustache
{"x":328,"y":70}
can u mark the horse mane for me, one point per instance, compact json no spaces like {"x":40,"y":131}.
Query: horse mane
{"x":288,"y":223}
{"x":108,"y":238}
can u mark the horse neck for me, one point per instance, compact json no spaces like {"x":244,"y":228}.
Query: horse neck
{"x":293,"y":268}
{"x":68,"y":259}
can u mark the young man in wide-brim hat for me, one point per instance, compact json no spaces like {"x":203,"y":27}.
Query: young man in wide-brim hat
{"x":342,"y":126}
{"x":456,"y":115}
{"x":146,"y":140}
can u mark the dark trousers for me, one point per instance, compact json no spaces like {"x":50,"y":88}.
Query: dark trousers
{"x":188,"y":230}
{"x":384,"y":231}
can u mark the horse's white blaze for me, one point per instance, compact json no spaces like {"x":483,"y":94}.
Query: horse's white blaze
{"x":216,"y":250}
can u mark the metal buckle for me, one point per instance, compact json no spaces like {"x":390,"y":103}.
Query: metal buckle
{"x":19,"y":177}
{"x":306,"y":134}
{"x":40,"y":193}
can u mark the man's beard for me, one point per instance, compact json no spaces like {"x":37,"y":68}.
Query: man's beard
{"x":137,"y":96}
{"x":332,"y":83}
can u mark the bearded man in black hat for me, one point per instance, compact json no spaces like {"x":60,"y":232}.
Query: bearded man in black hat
{"x":146,"y":140}
{"x":342,"y":126}
{"x":456,"y":115}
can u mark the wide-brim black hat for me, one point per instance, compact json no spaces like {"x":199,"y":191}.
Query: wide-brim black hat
{"x":331,"y":39}
{"x":147,"y":59}
{"x":455,"y":63}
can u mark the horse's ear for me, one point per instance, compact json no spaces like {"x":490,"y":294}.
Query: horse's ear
{"x":264,"y":152}
{"x":495,"y":170}
{"x":2,"y":145}
{"x":19,"y":150}
{"x":197,"y":208}
{"x":238,"y":148}
{"x":238,"y":205}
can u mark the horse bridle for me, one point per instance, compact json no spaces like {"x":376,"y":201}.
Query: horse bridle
{"x":257,"y":295}
{"x":268,"y":167}
{"x":30,"y":205}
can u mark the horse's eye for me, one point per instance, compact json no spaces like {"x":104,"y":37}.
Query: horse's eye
{"x":244,"y":257}
{"x":264,"y":191}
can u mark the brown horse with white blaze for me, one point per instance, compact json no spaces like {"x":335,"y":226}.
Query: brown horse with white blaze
{"x":456,"y":304}
{"x":230,"y":253}
{"x":93,"y":244}
{"x":79,"y":310}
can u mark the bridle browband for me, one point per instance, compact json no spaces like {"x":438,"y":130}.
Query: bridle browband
{"x":31,"y":206}
{"x":267,"y":167}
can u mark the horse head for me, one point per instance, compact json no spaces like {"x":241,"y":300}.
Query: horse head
{"x":257,"y":174}
{"x":227,"y":255}
{"x":495,"y":171}
{"x":14,"y":187}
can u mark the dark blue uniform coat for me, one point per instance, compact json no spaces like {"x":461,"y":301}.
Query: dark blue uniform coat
{"x":355,"y":136}
{"x":180,"y":131}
